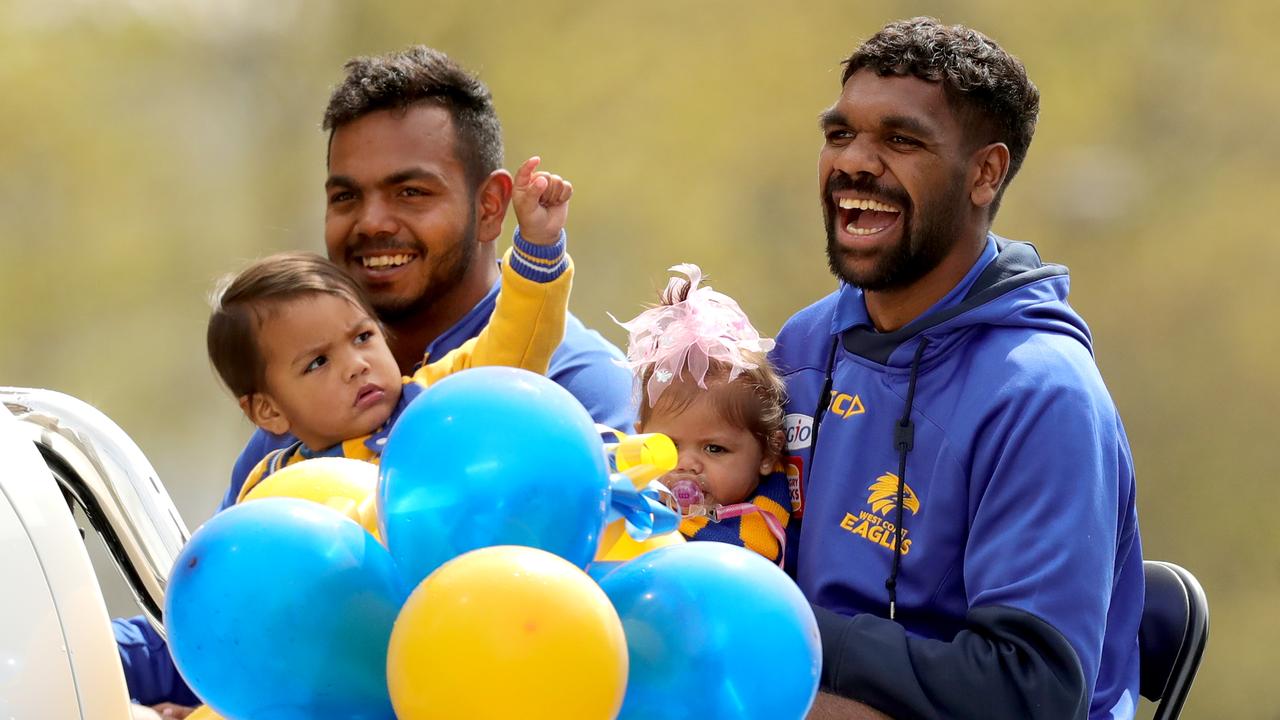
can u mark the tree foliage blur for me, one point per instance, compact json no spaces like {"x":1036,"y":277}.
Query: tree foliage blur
{"x":148,"y":146}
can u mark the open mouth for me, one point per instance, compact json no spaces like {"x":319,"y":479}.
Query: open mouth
{"x":386,"y":261}
{"x":863,"y":217}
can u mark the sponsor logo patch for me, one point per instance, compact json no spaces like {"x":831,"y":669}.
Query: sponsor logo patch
{"x":799,"y":430}
{"x":794,"y":467}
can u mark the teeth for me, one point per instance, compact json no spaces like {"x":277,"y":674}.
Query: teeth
{"x":861,"y":204}
{"x":853,"y":230}
{"x":376,"y":261}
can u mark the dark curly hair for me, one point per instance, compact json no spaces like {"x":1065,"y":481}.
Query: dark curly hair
{"x":420,"y":74}
{"x":986,"y":85}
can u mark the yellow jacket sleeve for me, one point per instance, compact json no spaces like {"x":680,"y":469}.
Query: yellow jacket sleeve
{"x":526,"y":327}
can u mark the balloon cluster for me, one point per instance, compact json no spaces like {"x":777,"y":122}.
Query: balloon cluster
{"x":450,"y":582}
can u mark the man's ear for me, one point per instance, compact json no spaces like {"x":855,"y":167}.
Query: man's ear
{"x":772,"y":453}
{"x":991,"y":166}
{"x":492,"y":200}
{"x":262,"y":410}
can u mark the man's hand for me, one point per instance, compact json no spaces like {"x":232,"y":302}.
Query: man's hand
{"x":541,"y":201}
{"x":833,"y":707}
{"x":169,"y":710}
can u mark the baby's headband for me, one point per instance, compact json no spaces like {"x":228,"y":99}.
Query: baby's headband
{"x":690,"y":334}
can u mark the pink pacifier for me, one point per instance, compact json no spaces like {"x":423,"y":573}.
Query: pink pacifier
{"x":687,"y":489}
{"x":688,"y":493}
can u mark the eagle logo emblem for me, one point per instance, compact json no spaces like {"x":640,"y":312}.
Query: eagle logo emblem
{"x":884,"y":495}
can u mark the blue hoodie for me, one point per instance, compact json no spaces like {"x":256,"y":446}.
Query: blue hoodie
{"x":980,"y":441}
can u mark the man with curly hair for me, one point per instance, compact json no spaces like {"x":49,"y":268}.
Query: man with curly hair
{"x":964,"y":491}
{"x":415,"y":200}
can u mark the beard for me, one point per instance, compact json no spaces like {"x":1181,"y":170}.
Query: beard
{"x":445,"y":271}
{"x":925,"y":240}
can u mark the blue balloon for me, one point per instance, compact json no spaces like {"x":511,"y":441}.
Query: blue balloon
{"x":714,"y":632}
{"x":492,"y":456}
{"x":283,"y":608}
{"x":600,"y":568}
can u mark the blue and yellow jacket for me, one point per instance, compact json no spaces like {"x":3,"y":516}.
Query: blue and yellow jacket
{"x":526,"y":327}
{"x":969,"y":471}
{"x":520,"y":326}
{"x":585,"y":364}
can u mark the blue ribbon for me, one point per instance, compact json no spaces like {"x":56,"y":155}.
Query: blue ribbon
{"x":644,"y":509}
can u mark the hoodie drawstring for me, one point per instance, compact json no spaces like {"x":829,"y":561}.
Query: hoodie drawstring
{"x":903,"y":440}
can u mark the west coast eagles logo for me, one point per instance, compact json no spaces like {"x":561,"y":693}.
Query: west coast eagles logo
{"x":884,"y":495}
{"x":875,"y":526}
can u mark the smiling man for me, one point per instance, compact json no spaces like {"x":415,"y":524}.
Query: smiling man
{"x":415,"y":201}
{"x":416,"y":197}
{"x":964,"y":489}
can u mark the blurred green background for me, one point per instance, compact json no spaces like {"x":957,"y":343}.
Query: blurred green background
{"x":148,"y":146}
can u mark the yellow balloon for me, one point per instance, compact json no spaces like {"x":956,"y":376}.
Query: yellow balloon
{"x":204,"y":713}
{"x":505,"y":632}
{"x":627,"y":549}
{"x":343,"y":484}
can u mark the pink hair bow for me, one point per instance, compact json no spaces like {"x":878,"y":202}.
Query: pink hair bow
{"x":706,"y":326}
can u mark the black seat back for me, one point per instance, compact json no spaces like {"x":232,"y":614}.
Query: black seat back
{"x":1172,"y":636}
